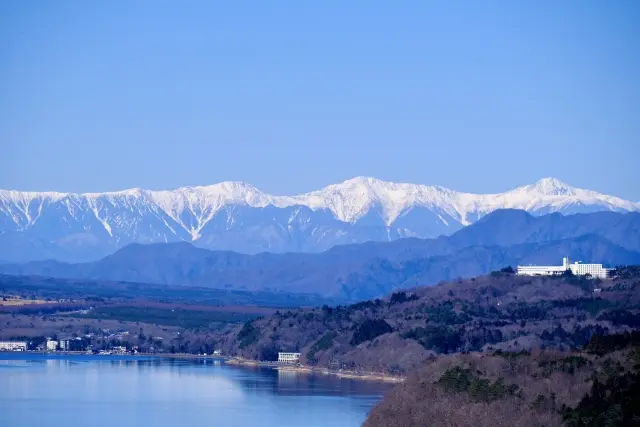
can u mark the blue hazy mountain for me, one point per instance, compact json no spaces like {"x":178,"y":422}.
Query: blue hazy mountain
{"x":365,"y":270}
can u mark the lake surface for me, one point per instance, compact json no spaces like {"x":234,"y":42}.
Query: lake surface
{"x":136,"y":391}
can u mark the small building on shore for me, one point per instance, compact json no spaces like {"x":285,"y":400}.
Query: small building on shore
{"x":577,"y":268}
{"x":288,"y":357}
{"x":65,"y":344}
{"x":13,"y":346}
{"x":52,"y":345}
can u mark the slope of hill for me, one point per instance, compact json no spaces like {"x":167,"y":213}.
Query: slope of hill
{"x":89,"y":290}
{"x":239,"y":217}
{"x":598,"y":386}
{"x":370,"y":269}
{"x":398,"y":333}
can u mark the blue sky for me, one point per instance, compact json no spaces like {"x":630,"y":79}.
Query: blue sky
{"x":292,"y":96}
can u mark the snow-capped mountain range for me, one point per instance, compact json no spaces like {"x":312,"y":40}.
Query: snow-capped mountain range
{"x":238,"y":216}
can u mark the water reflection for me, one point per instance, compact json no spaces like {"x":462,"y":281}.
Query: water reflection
{"x":127,"y":391}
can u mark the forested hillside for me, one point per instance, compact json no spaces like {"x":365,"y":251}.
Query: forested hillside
{"x":597,"y":386}
{"x":500,"y":311}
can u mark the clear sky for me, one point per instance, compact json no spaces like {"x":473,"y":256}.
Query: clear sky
{"x":291,"y":96}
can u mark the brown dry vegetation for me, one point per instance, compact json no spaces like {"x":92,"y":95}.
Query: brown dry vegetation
{"x":499,"y":311}
{"x":543,"y":383}
{"x":14,"y":326}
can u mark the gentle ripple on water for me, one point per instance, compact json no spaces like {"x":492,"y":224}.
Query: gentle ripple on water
{"x":131,"y":391}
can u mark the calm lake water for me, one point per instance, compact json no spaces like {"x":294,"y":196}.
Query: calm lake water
{"x":135,"y":391}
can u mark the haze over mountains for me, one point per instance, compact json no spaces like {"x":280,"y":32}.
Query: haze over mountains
{"x":373,"y":269}
{"x":239,"y":217}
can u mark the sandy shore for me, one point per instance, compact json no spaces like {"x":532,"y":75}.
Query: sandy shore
{"x":371,"y":376}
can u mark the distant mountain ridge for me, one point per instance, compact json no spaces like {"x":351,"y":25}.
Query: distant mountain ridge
{"x":238,"y":216}
{"x":372,"y":269}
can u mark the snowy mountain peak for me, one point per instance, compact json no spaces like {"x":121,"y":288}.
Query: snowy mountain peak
{"x":363,"y":208}
{"x":228,"y":192}
{"x":364,"y":181}
{"x":131,"y":192}
{"x":201,"y":203}
{"x":553,"y":187}
{"x":352,"y":199}
{"x":223,"y":187}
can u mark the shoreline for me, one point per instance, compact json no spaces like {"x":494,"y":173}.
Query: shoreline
{"x":368,"y":376}
{"x":303,"y":369}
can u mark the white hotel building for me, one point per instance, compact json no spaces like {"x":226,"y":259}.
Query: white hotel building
{"x":288,"y":357}
{"x":577,"y":268}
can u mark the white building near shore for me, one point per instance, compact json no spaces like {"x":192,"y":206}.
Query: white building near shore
{"x":65,"y":344}
{"x":577,"y":268}
{"x":288,"y":357}
{"x":52,"y":345}
{"x":13,"y":346}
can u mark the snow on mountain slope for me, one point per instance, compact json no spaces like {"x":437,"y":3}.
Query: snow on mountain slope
{"x":352,"y":199}
{"x":548,"y":195}
{"x":24,"y":207}
{"x":202,"y":203}
{"x":240,"y":216}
